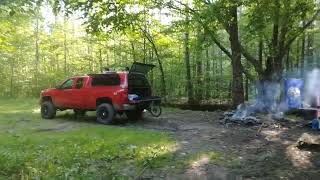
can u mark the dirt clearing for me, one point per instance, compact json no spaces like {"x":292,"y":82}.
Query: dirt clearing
{"x":242,"y":152}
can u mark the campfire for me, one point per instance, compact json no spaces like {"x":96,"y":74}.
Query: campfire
{"x":274,"y":100}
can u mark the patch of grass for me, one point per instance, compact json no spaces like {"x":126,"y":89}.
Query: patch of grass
{"x":62,"y":148}
{"x":294,"y":117}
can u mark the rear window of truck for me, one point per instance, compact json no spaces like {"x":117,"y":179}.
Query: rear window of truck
{"x":106,"y":80}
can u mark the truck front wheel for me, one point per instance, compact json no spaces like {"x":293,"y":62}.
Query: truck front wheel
{"x":48,"y":111}
{"x":105,"y":113}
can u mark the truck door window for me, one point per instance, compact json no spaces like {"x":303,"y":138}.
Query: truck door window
{"x":79,"y":83}
{"x":67,"y":84}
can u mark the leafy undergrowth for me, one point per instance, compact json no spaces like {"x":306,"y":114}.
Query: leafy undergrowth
{"x":62,"y":148}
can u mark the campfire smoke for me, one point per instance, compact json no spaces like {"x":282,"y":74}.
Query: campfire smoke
{"x":269,"y":99}
{"x":268,"y":95}
{"x":312,"y":89}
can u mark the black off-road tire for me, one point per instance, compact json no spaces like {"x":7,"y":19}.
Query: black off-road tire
{"x":134,"y":115}
{"x":48,"y":111}
{"x":79,"y":112}
{"x":155,"y":110}
{"x":105,"y":113}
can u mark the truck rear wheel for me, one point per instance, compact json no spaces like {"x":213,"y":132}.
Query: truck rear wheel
{"x":48,"y":111}
{"x":134,"y":115}
{"x":105,"y":113}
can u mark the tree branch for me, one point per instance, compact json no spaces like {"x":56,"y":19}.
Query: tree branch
{"x":302,"y":29}
{"x":256,"y":64}
{"x":215,"y":40}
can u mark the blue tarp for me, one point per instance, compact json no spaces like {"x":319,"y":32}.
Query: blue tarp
{"x":294,"y":92}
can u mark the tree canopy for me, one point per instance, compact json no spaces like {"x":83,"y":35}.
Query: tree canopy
{"x":205,"y":51}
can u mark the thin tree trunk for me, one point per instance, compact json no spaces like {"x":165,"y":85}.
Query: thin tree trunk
{"x":215,"y":78}
{"x":220,"y":73}
{"x":162,"y":76}
{"x":297,"y":65}
{"x":144,"y":38}
{"x":151,"y":73}
{"x":189,"y":86}
{"x":37,"y":56}
{"x":288,"y":61}
{"x":89,"y":54}
{"x":100,"y":60}
{"x":303,"y":44}
{"x":310,"y":42}
{"x":199,"y":71}
{"x":246,"y":89}
{"x":107,"y":55}
{"x":260,"y":51}
{"x":207,"y":79}
{"x":11,"y":77}
{"x":133,"y":52}
{"x":65,"y":45}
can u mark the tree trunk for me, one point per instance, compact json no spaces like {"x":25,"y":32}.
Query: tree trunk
{"x":297,"y":65}
{"x":189,"y":86}
{"x":65,"y":45}
{"x":144,"y":38}
{"x":310,"y":42}
{"x":100,"y":61}
{"x":207,"y":78}
{"x":237,"y":79}
{"x":133,"y":52}
{"x":11,"y":77}
{"x":260,"y":51}
{"x":220,"y":78}
{"x":151,"y":73}
{"x":247,"y":89}
{"x":288,"y":61}
{"x":199,"y":71}
{"x":37,"y":56}
{"x":303,"y":45}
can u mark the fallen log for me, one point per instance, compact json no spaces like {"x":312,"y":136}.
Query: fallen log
{"x":308,"y":141}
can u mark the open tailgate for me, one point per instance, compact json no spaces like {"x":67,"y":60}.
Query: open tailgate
{"x":141,"y":68}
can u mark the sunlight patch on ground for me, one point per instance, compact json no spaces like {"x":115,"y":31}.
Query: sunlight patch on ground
{"x":272,"y":135}
{"x":36,"y":111}
{"x":198,"y":164}
{"x":299,"y":158}
{"x":197,"y":167}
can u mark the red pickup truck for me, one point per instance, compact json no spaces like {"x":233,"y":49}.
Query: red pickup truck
{"x":109,"y":93}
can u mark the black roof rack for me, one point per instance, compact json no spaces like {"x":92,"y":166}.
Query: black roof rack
{"x":102,"y":74}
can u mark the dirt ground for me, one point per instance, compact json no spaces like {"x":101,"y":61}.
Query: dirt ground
{"x":245,"y":152}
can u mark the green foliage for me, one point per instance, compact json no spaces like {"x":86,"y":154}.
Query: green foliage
{"x":84,"y":36}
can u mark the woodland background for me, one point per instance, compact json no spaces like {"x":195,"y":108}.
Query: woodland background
{"x":206,"y":51}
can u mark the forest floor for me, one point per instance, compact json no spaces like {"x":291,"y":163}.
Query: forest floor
{"x":181,"y":144}
{"x":232,"y":151}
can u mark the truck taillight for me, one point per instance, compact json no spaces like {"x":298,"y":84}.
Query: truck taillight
{"x":122,"y":93}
